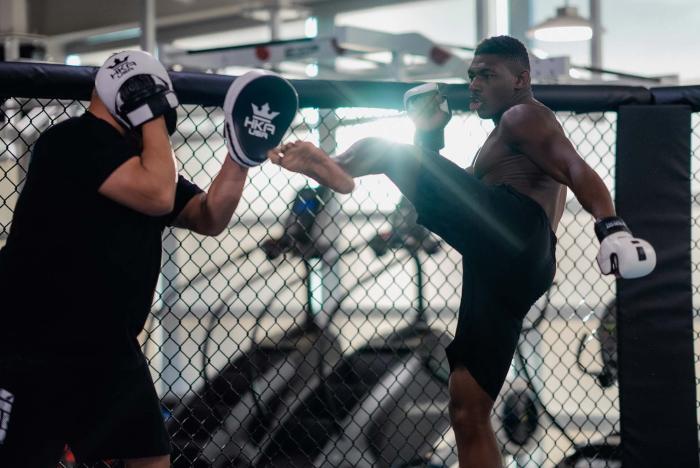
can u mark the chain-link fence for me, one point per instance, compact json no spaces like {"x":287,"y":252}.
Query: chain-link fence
{"x":695,"y":246}
{"x":286,"y":358}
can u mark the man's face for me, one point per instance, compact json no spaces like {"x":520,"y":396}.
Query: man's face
{"x":492,"y":85}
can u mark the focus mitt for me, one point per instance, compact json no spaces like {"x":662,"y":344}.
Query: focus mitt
{"x":258,"y":109}
{"x":136,"y":88}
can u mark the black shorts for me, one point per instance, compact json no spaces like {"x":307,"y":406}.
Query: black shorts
{"x":508,"y":258}
{"x":100,"y":414}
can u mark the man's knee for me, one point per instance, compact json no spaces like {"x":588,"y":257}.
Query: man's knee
{"x":470,"y":406}
{"x":469,"y":416}
{"x":149,"y":462}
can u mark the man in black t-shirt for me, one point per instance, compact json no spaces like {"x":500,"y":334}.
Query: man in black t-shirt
{"x":78,"y":273}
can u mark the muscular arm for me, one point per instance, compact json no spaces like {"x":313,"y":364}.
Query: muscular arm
{"x":146,"y":183}
{"x":535,"y":133}
{"x":209,"y":213}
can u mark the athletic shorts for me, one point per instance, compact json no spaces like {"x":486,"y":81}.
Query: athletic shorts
{"x":100,"y":415}
{"x":508,"y":257}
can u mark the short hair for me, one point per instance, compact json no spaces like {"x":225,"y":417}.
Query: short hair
{"x":507,"y":47}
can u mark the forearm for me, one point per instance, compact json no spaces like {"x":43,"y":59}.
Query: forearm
{"x":157,"y":157}
{"x":219,"y":203}
{"x":591,"y":192}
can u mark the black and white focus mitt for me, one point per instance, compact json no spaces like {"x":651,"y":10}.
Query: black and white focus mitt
{"x":620,"y":253}
{"x":136,"y":88}
{"x":258,"y":109}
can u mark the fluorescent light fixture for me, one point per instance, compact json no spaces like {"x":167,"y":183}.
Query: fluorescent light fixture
{"x":539,"y":53}
{"x":311,"y":70}
{"x":502,"y":12}
{"x":566,"y":26}
{"x":564,"y":34}
{"x":578,"y":75}
{"x":121,"y":35}
{"x":73,"y":59}
{"x":311,"y":27}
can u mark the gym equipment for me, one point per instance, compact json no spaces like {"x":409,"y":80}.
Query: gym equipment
{"x":386,"y":402}
{"x":230,"y":420}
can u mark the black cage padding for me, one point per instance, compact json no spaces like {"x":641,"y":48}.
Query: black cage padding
{"x":655,"y":313}
{"x":39,"y":80}
{"x":680,"y":95}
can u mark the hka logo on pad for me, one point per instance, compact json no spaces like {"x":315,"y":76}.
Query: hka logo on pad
{"x":121,"y":67}
{"x":261,"y":125}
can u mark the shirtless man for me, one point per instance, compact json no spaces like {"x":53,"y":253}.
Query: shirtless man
{"x":501,"y":215}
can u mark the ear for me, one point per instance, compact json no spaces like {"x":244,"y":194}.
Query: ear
{"x":522,"y":80}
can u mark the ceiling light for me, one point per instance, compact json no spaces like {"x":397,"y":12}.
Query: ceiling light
{"x":566,"y":26}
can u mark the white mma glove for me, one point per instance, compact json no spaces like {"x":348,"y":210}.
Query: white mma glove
{"x":430,"y":112}
{"x":258,"y":109}
{"x":620,"y":253}
{"x":136,"y":88}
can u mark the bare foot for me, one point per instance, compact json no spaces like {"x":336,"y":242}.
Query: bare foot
{"x":305,"y":158}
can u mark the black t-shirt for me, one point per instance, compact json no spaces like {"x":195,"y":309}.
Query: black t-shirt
{"x":79,"y":270}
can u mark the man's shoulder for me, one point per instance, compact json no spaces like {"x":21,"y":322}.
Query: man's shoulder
{"x":62,"y":128}
{"x":85,"y":124}
{"x":80,"y":133}
{"x":528,"y":113}
{"x":527,"y":120}
{"x":66,"y":133}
